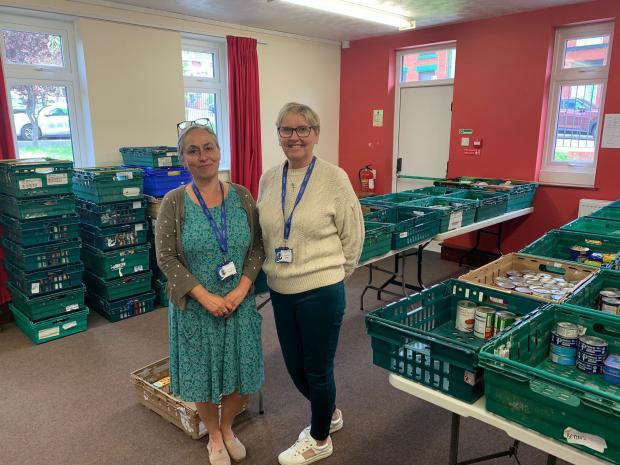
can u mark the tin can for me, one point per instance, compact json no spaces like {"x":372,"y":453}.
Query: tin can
{"x":515,"y":273}
{"x":465,"y":315}
{"x":484,"y":322}
{"x":566,"y":329}
{"x":578,"y":253}
{"x":610,"y":292}
{"x":612,"y":364}
{"x":561,"y":359}
{"x":592,"y":345}
{"x":564,"y":351}
{"x":523,"y":290}
{"x":503,"y":319}
{"x":589,"y":368}
{"x":610,"y":305}
{"x":610,"y":378}
{"x":590,"y":359}
{"x":556,"y":339}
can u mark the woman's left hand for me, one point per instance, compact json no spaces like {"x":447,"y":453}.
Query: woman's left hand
{"x":236,"y":296}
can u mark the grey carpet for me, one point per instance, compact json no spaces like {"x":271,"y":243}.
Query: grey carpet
{"x":70,"y":401}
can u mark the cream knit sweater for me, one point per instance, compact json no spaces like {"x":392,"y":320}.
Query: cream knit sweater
{"x":327,"y":231}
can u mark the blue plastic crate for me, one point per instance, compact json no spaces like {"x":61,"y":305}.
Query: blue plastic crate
{"x":158,"y":181}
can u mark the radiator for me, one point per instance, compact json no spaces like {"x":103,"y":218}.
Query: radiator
{"x":587,"y":206}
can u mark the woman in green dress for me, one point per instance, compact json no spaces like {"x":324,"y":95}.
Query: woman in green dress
{"x":209,"y":246}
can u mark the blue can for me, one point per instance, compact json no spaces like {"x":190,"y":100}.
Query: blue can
{"x":611,"y":378}
{"x":590,"y":368}
{"x":612,"y":365}
{"x":562,"y":360}
{"x":564,"y":351}
{"x":592,"y":345}
{"x":590,"y":358}
{"x":563,"y":341}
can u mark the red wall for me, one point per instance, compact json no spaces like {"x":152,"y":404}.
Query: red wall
{"x":500,"y":91}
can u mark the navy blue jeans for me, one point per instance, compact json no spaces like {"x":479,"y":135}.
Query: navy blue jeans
{"x":308,"y":326}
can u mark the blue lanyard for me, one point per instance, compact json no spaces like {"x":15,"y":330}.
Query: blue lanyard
{"x":289,"y":221}
{"x":220,"y":235}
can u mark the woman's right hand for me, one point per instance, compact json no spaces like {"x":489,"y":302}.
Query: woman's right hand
{"x":212,"y":303}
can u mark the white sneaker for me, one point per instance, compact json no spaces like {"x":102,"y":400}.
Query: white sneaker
{"x":335,"y":425}
{"x":306,"y":451}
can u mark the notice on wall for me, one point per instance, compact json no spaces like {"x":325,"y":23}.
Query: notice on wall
{"x":611,"y":132}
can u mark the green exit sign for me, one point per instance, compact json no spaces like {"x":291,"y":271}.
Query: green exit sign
{"x":466,"y":131}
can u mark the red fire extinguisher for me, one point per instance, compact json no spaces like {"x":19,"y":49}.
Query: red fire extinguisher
{"x":367,"y":176}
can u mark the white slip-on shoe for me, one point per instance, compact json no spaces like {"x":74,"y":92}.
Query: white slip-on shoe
{"x":306,"y":451}
{"x":335,"y":425}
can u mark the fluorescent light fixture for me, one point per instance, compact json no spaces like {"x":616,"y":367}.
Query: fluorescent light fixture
{"x":356,"y":10}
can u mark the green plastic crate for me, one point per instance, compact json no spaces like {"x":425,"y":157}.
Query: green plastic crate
{"x":594,"y":226}
{"x":433,"y":191}
{"x":587,"y":295}
{"x":152,"y":157}
{"x":417,"y":339}
{"x":57,"y":303}
{"x":108,"y":184}
{"x":35,"y":177}
{"x":38,"y":207}
{"x":52,"y":328}
{"x":45,"y":281}
{"x":606,"y":213}
{"x":40,"y":257}
{"x":377,"y":239}
{"x":394,"y":199}
{"x":114,"y":237}
{"x":521,"y":193}
{"x":411,"y":225}
{"x":111,"y":214}
{"x":118,"y":262}
{"x":123,"y":308}
{"x":557,"y":244}
{"x":529,"y":389}
{"x":35,"y":232}
{"x":160,"y":290}
{"x":458,"y":212}
{"x":118,"y":288}
{"x":490,"y":204}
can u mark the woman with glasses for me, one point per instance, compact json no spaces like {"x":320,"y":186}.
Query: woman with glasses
{"x":313,"y":234}
{"x":208,"y":244}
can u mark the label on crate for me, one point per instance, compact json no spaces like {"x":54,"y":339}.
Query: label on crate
{"x":138,"y":268}
{"x":165,"y":161}
{"x":32,"y":183}
{"x":70,"y":308}
{"x":174,"y":173}
{"x":131,"y":191}
{"x":124,"y":175}
{"x":139,"y":227}
{"x":34,"y":288}
{"x":57,"y":179}
{"x":496,"y":300}
{"x":456,"y":219}
{"x":469,"y":378}
{"x":71,"y":324}
{"x":403,"y":234}
{"x":50,"y":332}
{"x":592,"y":441}
{"x":137,"y":204}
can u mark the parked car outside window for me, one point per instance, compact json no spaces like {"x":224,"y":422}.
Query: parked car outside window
{"x":53,"y":121}
{"x":578,"y":116}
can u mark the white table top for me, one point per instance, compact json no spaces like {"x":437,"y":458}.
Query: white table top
{"x":478,"y":411}
{"x":453,"y":233}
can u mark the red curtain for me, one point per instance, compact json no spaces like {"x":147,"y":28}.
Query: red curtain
{"x":7,"y":150}
{"x":244,"y":104}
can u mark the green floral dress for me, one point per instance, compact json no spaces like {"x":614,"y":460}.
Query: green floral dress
{"x":213,"y":356}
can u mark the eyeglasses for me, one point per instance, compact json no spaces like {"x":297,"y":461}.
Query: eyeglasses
{"x":302,"y":131}
{"x":183,"y":125}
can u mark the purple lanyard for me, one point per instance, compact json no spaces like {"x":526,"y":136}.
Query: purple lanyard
{"x":288,"y":222}
{"x":220,"y":234}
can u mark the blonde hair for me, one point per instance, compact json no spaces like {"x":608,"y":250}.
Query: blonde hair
{"x":308,"y":113}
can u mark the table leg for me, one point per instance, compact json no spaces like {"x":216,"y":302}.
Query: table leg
{"x":551,"y":460}
{"x":454,"y":439}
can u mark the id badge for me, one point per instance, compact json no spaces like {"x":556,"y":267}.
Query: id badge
{"x":284,"y":255}
{"x":226,"y":270}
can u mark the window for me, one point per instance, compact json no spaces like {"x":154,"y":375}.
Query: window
{"x":41,"y":78}
{"x":576,"y":97}
{"x":204,"y":75}
{"x":435,"y":64}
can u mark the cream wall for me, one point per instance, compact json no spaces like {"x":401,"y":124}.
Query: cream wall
{"x":134,"y":90}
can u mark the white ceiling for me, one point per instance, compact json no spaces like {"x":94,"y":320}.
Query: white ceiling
{"x":285,"y":17}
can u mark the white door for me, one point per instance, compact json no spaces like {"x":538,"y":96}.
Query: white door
{"x":423,"y":137}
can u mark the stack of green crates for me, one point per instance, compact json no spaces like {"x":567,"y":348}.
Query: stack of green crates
{"x":115,"y":248}
{"x":42,"y":248}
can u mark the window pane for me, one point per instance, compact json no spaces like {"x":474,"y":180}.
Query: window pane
{"x":428,"y":66}
{"x":200,"y":105}
{"x":32,"y":48}
{"x":197,"y":64}
{"x":577,"y":126}
{"x":44,"y":108}
{"x":586,"y":52}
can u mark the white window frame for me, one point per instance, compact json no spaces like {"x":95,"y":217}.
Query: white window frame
{"x":417,"y":50}
{"x":66,"y":76}
{"x":217,"y":85}
{"x":573,"y":173}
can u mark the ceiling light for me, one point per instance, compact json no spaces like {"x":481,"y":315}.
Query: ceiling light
{"x":355,"y":10}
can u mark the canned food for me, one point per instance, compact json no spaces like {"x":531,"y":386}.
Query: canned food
{"x":564,"y":351}
{"x":503,"y":319}
{"x":590,"y":359}
{"x":484,"y":322}
{"x":515,"y":273}
{"x":596,"y":257}
{"x":613,"y":292}
{"x":561,"y":359}
{"x":523,"y":290}
{"x":506,"y":284}
{"x":610,"y":377}
{"x":566,"y":329}
{"x":556,"y":339}
{"x":592,"y":345}
{"x":610,"y":305}
{"x":578,"y":253}
{"x":589,"y":368}
{"x":465,"y":315}
{"x":612,"y":364}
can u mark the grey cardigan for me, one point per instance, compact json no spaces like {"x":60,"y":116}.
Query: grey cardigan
{"x":170,"y":256}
